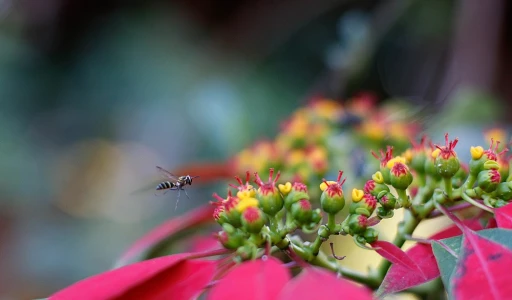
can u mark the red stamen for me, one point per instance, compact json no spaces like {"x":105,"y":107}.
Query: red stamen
{"x":277,"y":176}
{"x":340,"y":173}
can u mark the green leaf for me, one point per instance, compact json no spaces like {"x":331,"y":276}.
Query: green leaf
{"x":498,"y":235}
{"x":447,"y":262}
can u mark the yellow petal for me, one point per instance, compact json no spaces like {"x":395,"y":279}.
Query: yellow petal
{"x":357,"y":195}
{"x":476,"y":152}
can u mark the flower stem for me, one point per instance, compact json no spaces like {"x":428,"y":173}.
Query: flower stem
{"x":457,"y":207}
{"x":331,"y":222}
{"x":403,"y":198}
{"x":476,"y":203}
{"x":448,"y":188}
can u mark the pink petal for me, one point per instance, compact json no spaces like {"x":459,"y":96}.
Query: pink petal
{"x":482,"y":268}
{"x":396,"y":255}
{"x":316,"y":283}
{"x":204,"y":243}
{"x":161,"y":278}
{"x":504,"y":216}
{"x":137,"y":250}
{"x":250,"y":280}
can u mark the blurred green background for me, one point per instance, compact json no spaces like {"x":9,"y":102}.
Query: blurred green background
{"x":95,"y":94}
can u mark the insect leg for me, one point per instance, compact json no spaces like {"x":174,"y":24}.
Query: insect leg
{"x":186,"y":193}
{"x":177,"y":200}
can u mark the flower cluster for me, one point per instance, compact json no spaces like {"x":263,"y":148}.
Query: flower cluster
{"x":267,"y":214}
{"x":301,"y":149}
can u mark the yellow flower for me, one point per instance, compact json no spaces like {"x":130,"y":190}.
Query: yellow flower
{"x":357,"y":195}
{"x":395,"y":160}
{"x":248,"y":192}
{"x":435,"y":153}
{"x":246,"y":203}
{"x":476,"y":152}
{"x":285,"y":188}
{"x":377,"y":177}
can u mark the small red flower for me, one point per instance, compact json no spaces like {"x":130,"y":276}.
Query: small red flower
{"x":399,"y":169}
{"x":369,"y":186}
{"x":492,"y":152}
{"x":448,"y":151}
{"x":270,"y":186}
{"x":384,"y":156}
{"x":495,"y":176}
{"x":335,"y":188}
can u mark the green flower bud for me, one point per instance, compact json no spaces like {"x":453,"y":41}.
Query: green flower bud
{"x":384,"y":159}
{"x":317,"y":216}
{"x":374,"y":188}
{"x":270,"y":200}
{"x":293,"y":193}
{"x":385,"y":174}
{"x":446,"y":161}
{"x":417,"y":155}
{"x":357,"y":224}
{"x":504,"y":190}
{"x":488,"y":180}
{"x":479,"y":157}
{"x":302,"y":211}
{"x":253,"y":219}
{"x":371,"y":235}
{"x":365,"y":206}
{"x":226,"y":211}
{"x":401,"y":177}
{"x":387,"y":200}
{"x":332,"y":199}
{"x":230,"y":240}
{"x":430,"y":169}
{"x":418,"y":162}
{"x":384,"y":213}
{"x":500,"y":203}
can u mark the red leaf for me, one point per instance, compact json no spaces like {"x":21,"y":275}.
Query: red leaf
{"x":504,"y":216}
{"x":204,"y":243}
{"x":400,"y":277}
{"x":256,"y":279}
{"x":481,"y":271}
{"x":137,"y":250}
{"x":315,"y":283}
{"x":160,"y":278}
{"x":492,"y":223}
{"x":395,"y":255}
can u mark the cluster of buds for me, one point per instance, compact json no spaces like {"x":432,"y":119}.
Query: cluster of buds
{"x":267,"y":213}
{"x":262,"y":216}
{"x":301,"y":150}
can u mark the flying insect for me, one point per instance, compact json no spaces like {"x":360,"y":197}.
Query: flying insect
{"x":176,"y":183}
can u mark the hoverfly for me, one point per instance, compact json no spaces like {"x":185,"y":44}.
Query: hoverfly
{"x":176,"y":183}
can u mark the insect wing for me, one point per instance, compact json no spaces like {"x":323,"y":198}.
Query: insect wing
{"x":167,"y":174}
